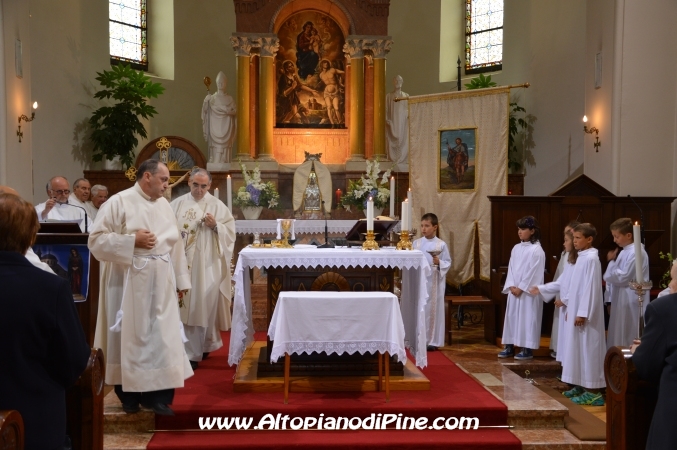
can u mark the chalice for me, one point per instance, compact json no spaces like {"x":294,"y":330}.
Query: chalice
{"x":286,"y":227}
{"x":434,"y":253}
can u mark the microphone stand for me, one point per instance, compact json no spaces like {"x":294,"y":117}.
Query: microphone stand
{"x":326,"y":231}
{"x":76,"y":206}
{"x":641,"y":219}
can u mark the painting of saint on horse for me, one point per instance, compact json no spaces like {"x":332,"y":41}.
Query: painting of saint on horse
{"x":458,"y":150}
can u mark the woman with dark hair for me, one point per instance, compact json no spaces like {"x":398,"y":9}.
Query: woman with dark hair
{"x":523,"y":313}
{"x":44,"y":347}
{"x":306,"y":58}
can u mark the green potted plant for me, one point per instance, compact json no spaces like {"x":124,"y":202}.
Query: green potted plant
{"x":115,"y":128}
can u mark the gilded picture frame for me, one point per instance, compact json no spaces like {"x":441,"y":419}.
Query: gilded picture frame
{"x":457,"y":159}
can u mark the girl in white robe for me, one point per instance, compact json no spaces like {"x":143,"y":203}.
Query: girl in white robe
{"x":584,"y":351}
{"x":524,"y":311}
{"x":434,"y":308}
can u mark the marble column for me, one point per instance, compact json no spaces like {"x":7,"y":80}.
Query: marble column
{"x":269,"y":44}
{"x":353,"y":49}
{"x":379,"y":47}
{"x":242,"y":44}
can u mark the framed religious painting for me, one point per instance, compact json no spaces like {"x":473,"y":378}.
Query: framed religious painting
{"x":310,"y":76}
{"x":70,"y":262}
{"x":457,"y":160}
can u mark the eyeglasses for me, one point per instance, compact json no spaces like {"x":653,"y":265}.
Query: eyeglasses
{"x":61,"y":191}
{"x":203,"y":186}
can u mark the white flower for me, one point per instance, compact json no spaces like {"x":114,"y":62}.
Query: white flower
{"x":243,"y":195}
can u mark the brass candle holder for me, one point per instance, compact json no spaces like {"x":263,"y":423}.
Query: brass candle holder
{"x":369,"y":241}
{"x":405,"y":242}
{"x":640,"y":289}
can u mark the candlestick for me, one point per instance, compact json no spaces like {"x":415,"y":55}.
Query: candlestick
{"x":338,"y":197}
{"x":406,"y":218}
{"x":637,"y":235}
{"x":370,"y":214}
{"x":229,"y":192}
{"x":410,"y":197}
{"x":216,"y":192}
{"x":392,"y":197}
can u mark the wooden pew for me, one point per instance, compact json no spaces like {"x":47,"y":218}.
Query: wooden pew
{"x":84,"y":405}
{"x":630,"y":402}
{"x":11,"y":430}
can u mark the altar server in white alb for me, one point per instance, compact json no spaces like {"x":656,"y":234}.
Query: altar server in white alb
{"x":437,"y":254}
{"x":624,"y":314}
{"x":523,"y":313}
{"x":143,"y":266}
{"x":208,"y":231}
{"x":559,"y":289}
{"x":583,"y":359}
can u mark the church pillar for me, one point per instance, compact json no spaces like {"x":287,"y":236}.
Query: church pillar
{"x":379,"y":47}
{"x":269,"y":46}
{"x":242,"y":44}
{"x":353,"y":48}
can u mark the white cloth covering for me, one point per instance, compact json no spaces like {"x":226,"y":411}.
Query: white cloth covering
{"x":554,"y":334}
{"x":35,"y":260}
{"x":300,"y":226}
{"x":522,"y":325}
{"x":559,"y":289}
{"x":436,"y":283}
{"x":66,"y":212}
{"x":585,"y":347}
{"x":138,"y":293}
{"x":337,"y":322}
{"x":414,"y":295}
{"x":624,"y":317}
{"x":208,"y":253}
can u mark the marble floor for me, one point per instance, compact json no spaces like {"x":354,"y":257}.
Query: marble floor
{"x":537,"y":419}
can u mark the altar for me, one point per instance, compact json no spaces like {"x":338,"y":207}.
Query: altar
{"x":337,"y":269}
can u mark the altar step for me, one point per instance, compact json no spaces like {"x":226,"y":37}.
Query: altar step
{"x":246,"y":379}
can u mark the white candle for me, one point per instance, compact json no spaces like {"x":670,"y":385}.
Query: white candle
{"x":216,"y":192}
{"x":406,"y":218}
{"x":637,"y":236}
{"x":229,"y":192}
{"x":370,"y":214}
{"x":392,"y":197}
{"x":410,"y":197}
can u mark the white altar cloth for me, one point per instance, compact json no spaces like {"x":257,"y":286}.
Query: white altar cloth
{"x":300,"y":226}
{"x":414,"y":294}
{"x":337,"y":322}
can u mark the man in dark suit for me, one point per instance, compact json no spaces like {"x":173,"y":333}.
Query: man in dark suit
{"x":656,"y":360}
{"x":44,"y":349}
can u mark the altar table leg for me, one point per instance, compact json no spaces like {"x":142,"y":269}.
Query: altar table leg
{"x":286,"y":377}
{"x":379,"y":386}
{"x":387,"y":357}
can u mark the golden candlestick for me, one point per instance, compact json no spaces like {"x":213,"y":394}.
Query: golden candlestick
{"x":369,"y":242}
{"x":405,"y":243}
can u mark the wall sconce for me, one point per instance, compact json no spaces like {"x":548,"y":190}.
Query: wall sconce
{"x":590,"y":131}
{"x":26,"y":119}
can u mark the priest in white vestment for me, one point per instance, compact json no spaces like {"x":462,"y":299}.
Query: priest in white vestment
{"x":143,"y":265}
{"x":207,"y":228}
{"x":99,"y":195}
{"x":57,"y":207}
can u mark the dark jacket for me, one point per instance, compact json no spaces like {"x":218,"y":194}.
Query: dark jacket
{"x":656,"y":360}
{"x":43,"y":349}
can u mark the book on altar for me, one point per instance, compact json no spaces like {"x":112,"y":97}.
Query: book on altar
{"x":383,"y":225}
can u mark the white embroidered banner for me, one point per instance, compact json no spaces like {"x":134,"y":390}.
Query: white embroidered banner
{"x":474,"y":123}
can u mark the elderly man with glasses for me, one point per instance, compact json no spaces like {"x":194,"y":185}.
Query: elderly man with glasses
{"x":57,"y":206}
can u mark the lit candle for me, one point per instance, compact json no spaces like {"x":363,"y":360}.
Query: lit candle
{"x":637,"y":235}
{"x":216,"y":192}
{"x":229,"y":192}
{"x":370,"y":214}
{"x":338,"y":197}
{"x":406,"y":218}
{"x":392,"y":197}
{"x":410,"y":197}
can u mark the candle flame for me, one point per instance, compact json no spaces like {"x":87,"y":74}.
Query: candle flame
{"x":406,"y":199}
{"x":636,"y":223}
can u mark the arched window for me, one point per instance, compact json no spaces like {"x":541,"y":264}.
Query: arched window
{"x":127,"y":31}
{"x":483,"y":35}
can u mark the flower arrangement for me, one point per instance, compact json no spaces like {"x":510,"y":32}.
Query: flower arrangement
{"x":256,"y":192}
{"x":665,"y":279}
{"x":369,"y":185}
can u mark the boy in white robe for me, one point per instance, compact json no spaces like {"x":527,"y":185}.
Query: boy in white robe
{"x":584,"y":351}
{"x":624,"y":314}
{"x":440,"y":261}
{"x":524,"y":311}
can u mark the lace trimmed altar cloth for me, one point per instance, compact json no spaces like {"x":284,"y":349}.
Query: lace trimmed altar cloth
{"x":331,"y":322}
{"x":300,"y":226}
{"x":414,"y":293}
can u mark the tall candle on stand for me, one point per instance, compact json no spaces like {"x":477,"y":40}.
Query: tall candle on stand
{"x":370,"y":214}
{"x":637,"y":236}
{"x":406,"y":218}
{"x":216,"y":192}
{"x":411,"y":206}
{"x":229,"y":192}
{"x":338,"y":197}
{"x":392,"y":197}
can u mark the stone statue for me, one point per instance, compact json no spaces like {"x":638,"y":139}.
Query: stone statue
{"x":397,"y":124}
{"x":219,"y":122}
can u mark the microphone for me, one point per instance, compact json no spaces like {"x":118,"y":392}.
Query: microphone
{"x":76,"y":206}
{"x":326,"y":231}
{"x":641,"y":219}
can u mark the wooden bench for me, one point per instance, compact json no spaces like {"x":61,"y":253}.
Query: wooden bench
{"x":460,"y":301}
{"x":11,"y":430}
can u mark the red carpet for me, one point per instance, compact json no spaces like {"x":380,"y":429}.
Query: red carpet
{"x":209,"y":393}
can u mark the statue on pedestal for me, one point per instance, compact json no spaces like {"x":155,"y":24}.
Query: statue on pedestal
{"x":397,"y":124}
{"x":219,"y":122}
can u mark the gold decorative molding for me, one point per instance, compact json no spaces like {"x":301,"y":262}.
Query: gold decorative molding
{"x":330,"y":279}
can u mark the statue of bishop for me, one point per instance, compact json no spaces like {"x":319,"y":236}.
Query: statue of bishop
{"x":397,"y":124}
{"x":219,"y":122}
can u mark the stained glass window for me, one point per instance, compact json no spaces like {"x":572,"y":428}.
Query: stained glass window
{"x":127,"y":33}
{"x":483,"y":35}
